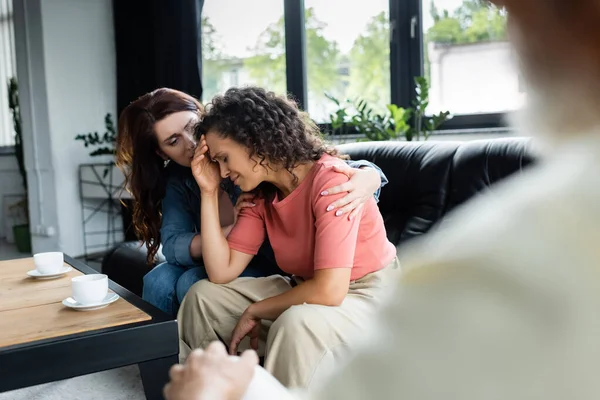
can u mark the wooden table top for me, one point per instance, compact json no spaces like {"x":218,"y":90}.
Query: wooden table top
{"x":31,"y":309}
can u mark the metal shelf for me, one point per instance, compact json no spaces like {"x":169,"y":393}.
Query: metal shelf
{"x":101,"y":192}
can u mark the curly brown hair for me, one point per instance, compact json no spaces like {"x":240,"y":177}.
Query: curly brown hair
{"x":138,"y":158}
{"x":272,"y":127}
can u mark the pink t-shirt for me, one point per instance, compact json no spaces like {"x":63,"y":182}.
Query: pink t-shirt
{"x":306,"y":237}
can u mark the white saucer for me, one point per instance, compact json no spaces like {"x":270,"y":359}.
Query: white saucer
{"x":34,"y":273}
{"x":71,"y":303}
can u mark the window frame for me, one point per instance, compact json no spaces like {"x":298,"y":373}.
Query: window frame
{"x":458,"y":122}
{"x":7,"y":150}
{"x":295,"y":51}
{"x":7,"y":16}
{"x":406,"y":43}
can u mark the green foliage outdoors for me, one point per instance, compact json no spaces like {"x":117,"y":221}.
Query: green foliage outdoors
{"x":368,"y":80}
{"x":359,"y":117}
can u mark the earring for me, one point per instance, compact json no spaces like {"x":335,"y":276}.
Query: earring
{"x":166,"y":163}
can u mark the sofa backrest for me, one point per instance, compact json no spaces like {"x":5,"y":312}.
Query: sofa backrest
{"x":429,"y":179}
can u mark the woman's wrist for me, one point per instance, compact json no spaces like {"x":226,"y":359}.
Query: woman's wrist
{"x":210,"y":193}
{"x":376,"y":178}
{"x":253,"y":309}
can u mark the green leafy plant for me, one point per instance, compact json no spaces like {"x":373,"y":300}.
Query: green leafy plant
{"x":339,"y":125}
{"x":13,"y":105}
{"x":19,"y":211}
{"x":399,"y":119}
{"x":424,"y":124}
{"x":397,"y":122}
{"x":103,"y":144}
{"x":359,"y":117}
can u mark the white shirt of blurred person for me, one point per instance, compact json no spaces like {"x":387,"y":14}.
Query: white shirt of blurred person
{"x":503,"y":302}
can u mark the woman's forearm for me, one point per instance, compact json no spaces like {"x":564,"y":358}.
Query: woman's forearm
{"x":196,"y":245}
{"x":215,"y":249}
{"x":375,"y":178}
{"x":309,"y":292}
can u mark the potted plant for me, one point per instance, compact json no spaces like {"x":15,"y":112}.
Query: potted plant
{"x":101,"y":179}
{"x":19,"y":211}
{"x":397,"y":122}
{"x":102,"y":145}
{"x":424,"y":124}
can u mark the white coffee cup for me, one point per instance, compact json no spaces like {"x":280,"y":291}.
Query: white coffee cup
{"x":49,"y":263}
{"x":89,"y":289}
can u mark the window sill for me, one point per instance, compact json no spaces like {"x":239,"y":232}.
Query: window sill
{"x":7,"y":150}
{"x":476,"y":131}
{"x":446,"y":134}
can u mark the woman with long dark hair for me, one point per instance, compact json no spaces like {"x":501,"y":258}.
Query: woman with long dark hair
{"x":155,"y":147}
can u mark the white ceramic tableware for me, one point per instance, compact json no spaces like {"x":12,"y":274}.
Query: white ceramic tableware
{"x":49,"y":263}
{"x":34,"y":273}
{"x":89,"y":289}
{"x":109,"y":299}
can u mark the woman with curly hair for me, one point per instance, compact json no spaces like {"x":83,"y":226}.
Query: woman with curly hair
{"x":340,"y":267}
{"x":155,"y":146}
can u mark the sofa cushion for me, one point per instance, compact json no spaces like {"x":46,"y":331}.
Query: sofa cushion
{"x":428,"y":179}
{"x":478,"y":165}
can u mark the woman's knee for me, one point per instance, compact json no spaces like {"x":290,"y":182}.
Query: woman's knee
{"x":187,"y":280}
{"x":201,"y":292}
{"x":159,"y":287}
{"x":296,"y":320}
{"x":162,"y":279}
{"x":200,"y":300}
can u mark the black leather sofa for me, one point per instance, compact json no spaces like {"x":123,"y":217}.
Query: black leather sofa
{"x":427,"y":180}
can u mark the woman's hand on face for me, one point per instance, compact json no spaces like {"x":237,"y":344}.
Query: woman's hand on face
{"x":362,"y":185}
{"x":206,"y":173}
{"x":211,"y":374}
{"x":248,"y":325}
{"x":245,"y":200}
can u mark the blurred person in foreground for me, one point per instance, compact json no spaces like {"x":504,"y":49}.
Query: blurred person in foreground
{"x":503,"y":302}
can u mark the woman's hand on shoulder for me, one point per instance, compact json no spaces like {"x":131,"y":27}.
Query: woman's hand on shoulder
{"x":206,"y":173}
{"x":245,"y":200}
{"x":360,"y":187}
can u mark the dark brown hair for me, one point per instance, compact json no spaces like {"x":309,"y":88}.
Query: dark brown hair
{"x":137,"y":157}
{"x":270,"y":126}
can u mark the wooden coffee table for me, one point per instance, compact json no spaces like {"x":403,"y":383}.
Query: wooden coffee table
{"x":43,"y":341}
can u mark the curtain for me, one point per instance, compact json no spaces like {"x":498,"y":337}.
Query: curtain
{"x":158,"y":44}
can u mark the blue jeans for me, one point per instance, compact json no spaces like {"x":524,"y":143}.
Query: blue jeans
{"x":166,"y":284}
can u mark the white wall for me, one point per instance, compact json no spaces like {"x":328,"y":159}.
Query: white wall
{"x":66,"y":67}
{"x":79,"y":52}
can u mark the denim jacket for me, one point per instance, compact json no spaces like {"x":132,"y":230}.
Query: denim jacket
{"x":181,"y":210}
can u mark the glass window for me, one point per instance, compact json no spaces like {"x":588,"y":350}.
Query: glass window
{"x":347,"y":53}
{"x":468,"y":60}
{"x":241,"y":46}
{"x":7,"y":70}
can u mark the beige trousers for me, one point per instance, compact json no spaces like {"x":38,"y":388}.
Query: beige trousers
{"x":305,"y":343}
